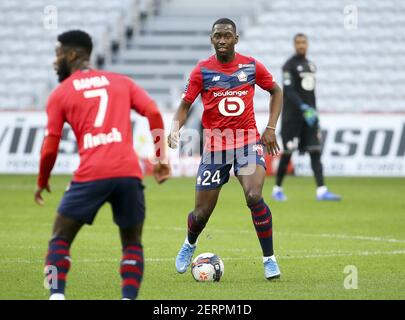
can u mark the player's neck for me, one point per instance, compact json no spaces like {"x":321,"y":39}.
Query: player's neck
{"x":226,"y":59}
{"x":80,"y":64}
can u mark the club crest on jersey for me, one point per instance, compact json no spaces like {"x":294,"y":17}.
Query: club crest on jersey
{"x":242,"y":76}
{"x":258,"y":148}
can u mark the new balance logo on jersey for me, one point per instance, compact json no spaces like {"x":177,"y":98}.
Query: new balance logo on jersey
{"x":89,"y":83}
{"x":216,"y":78}
{"x":91,"y":141}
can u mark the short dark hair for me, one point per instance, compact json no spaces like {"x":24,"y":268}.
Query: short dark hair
{"x":300,"y":35}
{"x":77,"y":39}
{"x":224,"y":21}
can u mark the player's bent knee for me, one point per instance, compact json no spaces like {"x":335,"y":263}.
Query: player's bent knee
{"x":253,"y":197}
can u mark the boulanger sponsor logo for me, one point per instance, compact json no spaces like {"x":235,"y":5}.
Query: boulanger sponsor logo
{"x":231,"y":107}
{"x":230,"y":93}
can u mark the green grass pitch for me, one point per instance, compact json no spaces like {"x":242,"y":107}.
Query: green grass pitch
{"x":314,"y":243}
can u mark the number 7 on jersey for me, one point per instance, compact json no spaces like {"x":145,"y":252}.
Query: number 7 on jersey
{"x":102,"y":107}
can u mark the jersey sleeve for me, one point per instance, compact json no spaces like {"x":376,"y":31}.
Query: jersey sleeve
{"x":264,"y":79}
{"x":140,"y":99}
{"x":56,"y":116}
{"x":194,"y":85}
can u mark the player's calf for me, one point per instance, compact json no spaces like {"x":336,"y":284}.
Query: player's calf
{"x":262,"y":220}
{"x":57,"y":266}
{"x":131,"y":270}
{"x":196,"y":223}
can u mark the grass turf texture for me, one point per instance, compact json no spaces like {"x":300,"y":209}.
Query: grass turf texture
{"x":314,"y":242}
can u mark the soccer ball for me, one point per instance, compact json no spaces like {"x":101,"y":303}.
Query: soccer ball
{"x":207,"y":267}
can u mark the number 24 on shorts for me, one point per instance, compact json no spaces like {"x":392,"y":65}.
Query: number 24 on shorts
{"x":208,"y":179}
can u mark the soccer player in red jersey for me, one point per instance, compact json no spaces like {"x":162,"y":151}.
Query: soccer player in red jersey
{"x":226,"y":82}
{"x":97,"y":105}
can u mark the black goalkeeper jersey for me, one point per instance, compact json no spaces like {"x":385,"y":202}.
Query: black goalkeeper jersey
{"x":298,"y":87}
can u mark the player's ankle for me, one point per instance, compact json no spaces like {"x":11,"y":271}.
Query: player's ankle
{"x":320,"y":191}
{"x":190,"y":244}
{"x":267,"y":258}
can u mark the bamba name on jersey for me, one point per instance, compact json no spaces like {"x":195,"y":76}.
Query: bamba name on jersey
{"x":88,"y":83}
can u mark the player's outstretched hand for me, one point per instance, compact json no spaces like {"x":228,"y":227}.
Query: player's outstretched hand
{"x":161,"y":172}
{"x":173,"y":140}
{"x":270,"y":141}
{"x":38,"y":194}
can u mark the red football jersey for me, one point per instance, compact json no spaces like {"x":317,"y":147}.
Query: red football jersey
{"x":97,"y":106}
{"x":227,"y":91}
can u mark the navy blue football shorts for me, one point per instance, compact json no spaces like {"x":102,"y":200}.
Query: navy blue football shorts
{"x":214,"y":168}
{"x":82,"y":200}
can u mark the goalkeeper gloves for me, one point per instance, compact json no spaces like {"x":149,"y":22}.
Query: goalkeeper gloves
{"x":309,"y":113}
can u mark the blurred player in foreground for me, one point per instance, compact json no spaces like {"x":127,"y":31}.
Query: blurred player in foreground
{"x":300,"y":124}
{"x":97,"y":105}
{"x":226,"y":82}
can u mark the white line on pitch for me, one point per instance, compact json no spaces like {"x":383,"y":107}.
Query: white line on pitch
{"x":281,"y":257}
{"x":293,"y":234}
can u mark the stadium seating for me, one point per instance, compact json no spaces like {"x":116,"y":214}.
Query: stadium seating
{"x":168,"y":46}
{"x":359,"y":69}
{"x":28,"y":30}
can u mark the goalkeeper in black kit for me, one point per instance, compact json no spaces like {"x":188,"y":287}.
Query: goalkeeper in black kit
{"x":300,"y":123}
